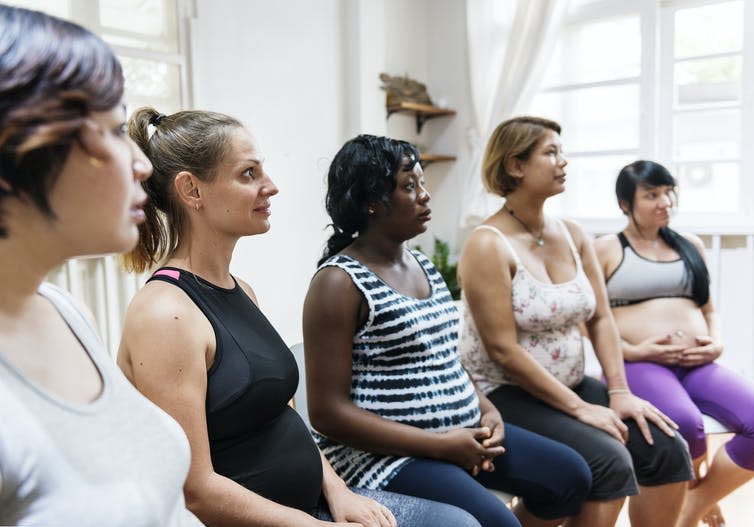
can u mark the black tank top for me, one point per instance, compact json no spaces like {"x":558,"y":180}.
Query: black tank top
{"x":255,"y":438}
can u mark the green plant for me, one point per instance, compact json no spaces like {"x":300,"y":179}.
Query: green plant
{"x":441,"y":260}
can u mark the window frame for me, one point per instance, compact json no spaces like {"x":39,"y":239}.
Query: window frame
{"x":656,"y":111}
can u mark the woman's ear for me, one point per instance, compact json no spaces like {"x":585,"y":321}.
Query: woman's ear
{"x":514,"y":167}
{"x":623,"y":207}
{"x":187,"y":189}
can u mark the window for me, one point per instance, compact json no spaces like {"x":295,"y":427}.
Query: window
{"x":656,"y":80}
{"x":147,"y":37}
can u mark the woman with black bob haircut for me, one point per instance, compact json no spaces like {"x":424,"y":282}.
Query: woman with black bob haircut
{"x":391,"y":404}
{"x":78,"y":444}
{"x":658,"y":287}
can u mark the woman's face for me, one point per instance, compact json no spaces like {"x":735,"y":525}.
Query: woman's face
{"x":653,"y":205}
{"x":544,"y":171}
{"x":237,"y":200}
{"x":408,"y":213}
{"x":97,"y":198}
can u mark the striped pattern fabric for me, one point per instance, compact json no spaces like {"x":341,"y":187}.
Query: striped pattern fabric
{"x":406,"y":368}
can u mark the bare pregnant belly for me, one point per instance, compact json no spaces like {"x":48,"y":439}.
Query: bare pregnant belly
{"x":678,"y":317}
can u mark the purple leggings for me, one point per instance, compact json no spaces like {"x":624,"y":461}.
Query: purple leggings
{"x":684,"y":394}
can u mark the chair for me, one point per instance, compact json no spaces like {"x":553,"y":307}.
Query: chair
{"x":300,"y":397}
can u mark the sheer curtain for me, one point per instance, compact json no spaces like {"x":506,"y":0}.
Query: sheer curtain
{"x":508,"y":45}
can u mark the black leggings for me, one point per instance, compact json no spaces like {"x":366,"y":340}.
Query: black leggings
{"x":551,"y":478}
{"x":615,"y":468}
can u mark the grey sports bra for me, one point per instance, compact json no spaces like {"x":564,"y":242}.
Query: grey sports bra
{"x":637,"y":279}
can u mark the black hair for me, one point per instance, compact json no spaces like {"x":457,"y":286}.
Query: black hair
{"x":361,"y":174}
{"x":650,"y":174}
{"x":53,"y":73}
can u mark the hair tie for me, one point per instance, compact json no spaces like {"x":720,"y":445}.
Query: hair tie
{"x":157,"y":119}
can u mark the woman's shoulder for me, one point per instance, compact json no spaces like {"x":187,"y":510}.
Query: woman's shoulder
{"x":694,"y":239}
{"x":575,"y":229}
{"x":158,"y":303}
{"x":606,"y":243}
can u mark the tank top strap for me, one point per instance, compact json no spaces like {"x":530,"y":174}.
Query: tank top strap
{"x":502,"y":236}
{"x":623,"y":240}
{"x":76,"y":320}
{"x":569,"y":239}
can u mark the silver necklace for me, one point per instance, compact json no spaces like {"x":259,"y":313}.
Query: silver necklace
{"x":538,"y":238}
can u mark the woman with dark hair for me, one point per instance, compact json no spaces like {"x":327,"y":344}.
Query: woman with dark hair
{"x":530,"y":282}
{"x":658,"y":286}
{"x":196,"y":343}
{"x":78,"y":445}
{"x":391,"y":403}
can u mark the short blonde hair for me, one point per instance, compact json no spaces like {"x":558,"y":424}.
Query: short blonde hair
{"x":514,"y":138}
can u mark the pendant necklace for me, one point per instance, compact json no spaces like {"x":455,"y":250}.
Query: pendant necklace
{"x":538,"y":238}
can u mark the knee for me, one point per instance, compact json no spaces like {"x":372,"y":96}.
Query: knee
{"x":570,"y":488}
{"x":691,"y":428}
{"x":740,"y":449}
{"x":612,"y":473}
{"x":448,"y":515}
{"x":667,"y":461}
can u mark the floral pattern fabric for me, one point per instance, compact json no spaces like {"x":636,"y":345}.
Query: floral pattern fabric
{"x":547,"y":324}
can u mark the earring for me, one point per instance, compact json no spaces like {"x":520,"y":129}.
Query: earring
{"x":95,"y":162}
{"x":370,"y":210}
{"x":196,"y":206}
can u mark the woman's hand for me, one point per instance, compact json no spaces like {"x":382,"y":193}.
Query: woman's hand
{"x":660,"y":350}
{"x":603,"y":418}
{"x":465,"y":448}
{"x":627,"y":406}
{"x":492,"y":420}
{"x":705,"y":352}
{"x":346,"y":506}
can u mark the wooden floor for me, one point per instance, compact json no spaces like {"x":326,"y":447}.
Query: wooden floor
{"x":738,"y":508}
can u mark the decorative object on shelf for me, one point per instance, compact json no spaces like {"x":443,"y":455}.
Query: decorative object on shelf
{"x":409,"y":97}
{"x":404,"y":89}
{"x":422,"y":112}
{"x":441,"y":260}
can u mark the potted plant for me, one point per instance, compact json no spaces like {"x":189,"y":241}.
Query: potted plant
{"x":446,"y":268}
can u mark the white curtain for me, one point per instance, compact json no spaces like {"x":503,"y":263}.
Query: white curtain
{"x":509,"y":44}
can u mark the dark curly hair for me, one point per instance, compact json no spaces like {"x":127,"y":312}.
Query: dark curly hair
{"x":362,"y":173}
{"x":53,"y":73}
{"x":650,"y":174}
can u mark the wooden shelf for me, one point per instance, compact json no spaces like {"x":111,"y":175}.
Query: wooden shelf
{"x":425,"y":158}
{"x":422,"y":112}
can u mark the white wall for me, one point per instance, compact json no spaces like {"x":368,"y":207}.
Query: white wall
{"x":303,"y":76}
{"x":278,"y":66}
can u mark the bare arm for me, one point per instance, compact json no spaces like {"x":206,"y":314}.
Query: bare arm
{"x":331,"y":313}
{"x":485,"y":272}
{"x":164,"y":350}
{"x":607,"y":345}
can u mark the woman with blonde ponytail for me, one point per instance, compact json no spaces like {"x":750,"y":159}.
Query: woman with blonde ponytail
{"x":196,"y":343}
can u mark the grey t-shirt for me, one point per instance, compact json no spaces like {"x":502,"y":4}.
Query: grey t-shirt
{"x":118,"y":461}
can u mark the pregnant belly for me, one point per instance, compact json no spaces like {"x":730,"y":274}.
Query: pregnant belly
{"x":678,"y":317}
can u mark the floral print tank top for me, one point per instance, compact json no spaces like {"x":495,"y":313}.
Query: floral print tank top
{"x":547,"y":318}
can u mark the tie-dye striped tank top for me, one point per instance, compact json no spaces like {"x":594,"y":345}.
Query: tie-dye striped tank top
{"x":406,"y":368}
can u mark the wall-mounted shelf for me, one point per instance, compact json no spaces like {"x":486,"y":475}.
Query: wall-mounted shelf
{"x":422,"y":112}
{"x":425,"y":158}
